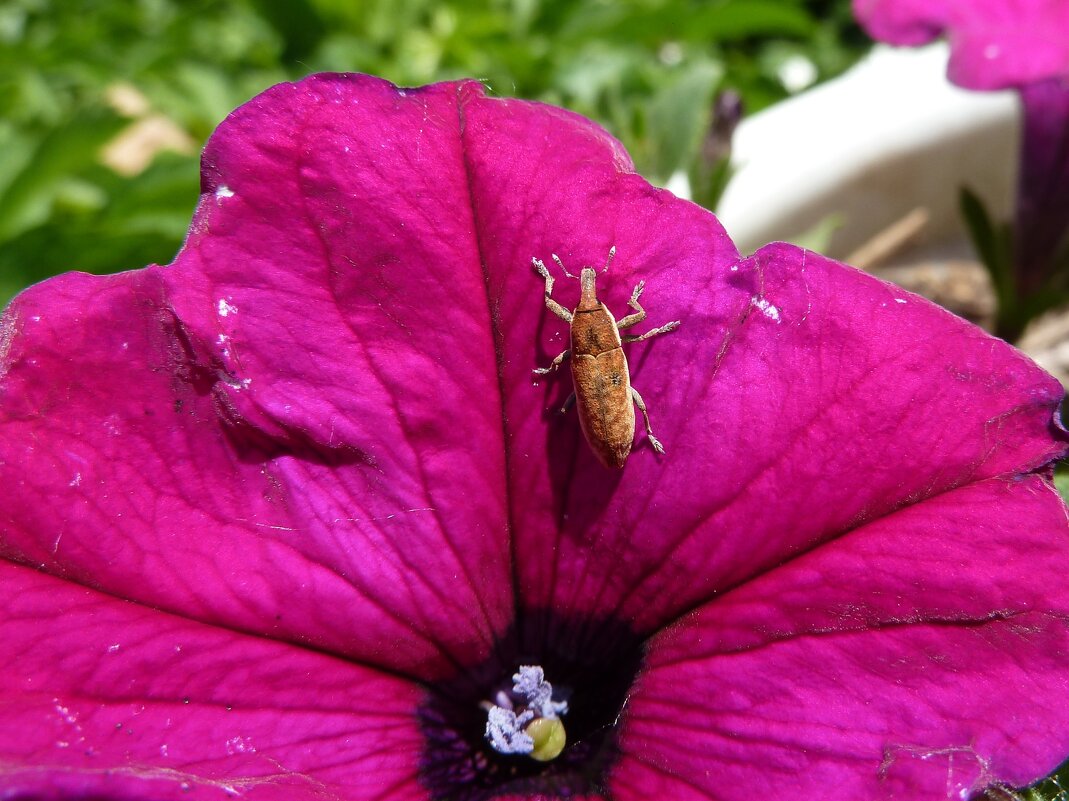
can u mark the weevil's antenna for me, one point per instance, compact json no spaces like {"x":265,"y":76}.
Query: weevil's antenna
{"x":612,"y":255}
{"x":560,"y":264}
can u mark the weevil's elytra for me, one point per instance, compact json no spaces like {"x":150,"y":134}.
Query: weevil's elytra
{"x":604,"y":397}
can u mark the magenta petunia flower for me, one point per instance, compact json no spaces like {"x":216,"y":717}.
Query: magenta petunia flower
{"x":292,"y":518}
{"x":995,"y":44}
{"x":999,"y":44}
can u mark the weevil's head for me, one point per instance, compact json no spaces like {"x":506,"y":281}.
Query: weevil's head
{"x":588,"y":279}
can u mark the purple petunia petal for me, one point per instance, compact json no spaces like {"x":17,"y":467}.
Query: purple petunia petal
{"x":294,"y":429}
{"x":903,"y":662}
{"x":994,"y":43}
{"x":104,"y":698}
{"x":903,"y":22}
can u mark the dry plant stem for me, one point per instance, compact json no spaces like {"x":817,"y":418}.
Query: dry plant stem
{"x":890,"y":240}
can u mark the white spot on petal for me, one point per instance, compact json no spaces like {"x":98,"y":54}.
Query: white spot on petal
{"x":223,"y":192}
{"x":225,"y":308}
{"x":65,"y":713}
{"x":901,"y":300}
{"x":240,"y":745}
{"x":767,"y":309}
{"x":113,"y":648}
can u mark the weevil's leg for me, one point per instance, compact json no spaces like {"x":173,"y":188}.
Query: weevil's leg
{"x":641,"y":404}
{"x":640,"y":313}
{"x":664,"y":329}
{"x":554,"y":364}
{"x":551,"y":304}
{"x":568,"y":403}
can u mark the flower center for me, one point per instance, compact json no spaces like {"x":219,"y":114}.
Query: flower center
{"x":494,"y":730}
{"x":527,"y":720}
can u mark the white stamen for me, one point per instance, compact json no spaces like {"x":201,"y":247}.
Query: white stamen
{"x":531,"y":682}
{"x":504,"y":730}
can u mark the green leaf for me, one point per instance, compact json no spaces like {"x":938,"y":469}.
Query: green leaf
{"x":143,"y":220}
{"x":819,"y":236}
{"x":27,"y":199}
{"x":297,"y":23}
{"x":1061,"y":483}
{"x":993,"y":246}
{"x":708,"y":185}
{"x":742,"y":19}
{"x":705,"y":22}
{"x":679,"y":115}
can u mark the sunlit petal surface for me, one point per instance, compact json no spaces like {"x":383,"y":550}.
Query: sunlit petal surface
{"x":282,"y":517}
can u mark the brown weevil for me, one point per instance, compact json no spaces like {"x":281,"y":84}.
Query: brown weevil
{"x":603,"y":393}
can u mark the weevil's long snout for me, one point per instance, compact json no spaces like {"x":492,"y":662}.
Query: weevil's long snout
{"x":588,"y":281}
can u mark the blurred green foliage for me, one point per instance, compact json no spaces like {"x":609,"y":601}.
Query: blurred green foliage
{"x":993,"y":241}
{"x":76,"y":74}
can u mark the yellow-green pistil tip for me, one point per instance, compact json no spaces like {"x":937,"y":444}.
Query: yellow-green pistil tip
{"x":548,"y":737}
{"x":527,"y":720}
